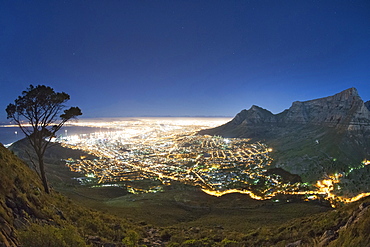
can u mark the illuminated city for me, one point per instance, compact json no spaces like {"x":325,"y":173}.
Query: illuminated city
{"x":160,"y":151}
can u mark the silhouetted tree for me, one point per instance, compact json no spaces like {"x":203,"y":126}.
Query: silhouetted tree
{"x":36,"y":113}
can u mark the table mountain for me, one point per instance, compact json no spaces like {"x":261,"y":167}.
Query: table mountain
{"x":312,"y":138}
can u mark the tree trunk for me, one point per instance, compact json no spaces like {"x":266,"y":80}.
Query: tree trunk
{"x":42,"y":172}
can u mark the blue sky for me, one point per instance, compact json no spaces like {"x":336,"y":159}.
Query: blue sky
{"x":176,"y":58}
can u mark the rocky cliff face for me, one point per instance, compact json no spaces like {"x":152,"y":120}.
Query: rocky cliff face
{"x":347,"y":228}
{"x":343,"y":109}
{"x":309,"y":135}
{"x":367,"y":104}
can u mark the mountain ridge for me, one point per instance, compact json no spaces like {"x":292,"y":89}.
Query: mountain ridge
{"x":331,"y":110}
{"x":308,"y":136}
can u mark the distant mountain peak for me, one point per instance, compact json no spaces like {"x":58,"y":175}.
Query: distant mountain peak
{"x":254,"y":115}
{"x":350,"y":92}
{"x":310,"y":134}
{"x":345,"y":95}
{"x":256,"y":107}
{"x":342,"y":109}
{"x":345,"y":111}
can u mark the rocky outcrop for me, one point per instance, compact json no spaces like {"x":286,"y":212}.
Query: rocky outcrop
{"x":358,"y":216}
{"x":348,"y":230}
{"x":367,"y":104}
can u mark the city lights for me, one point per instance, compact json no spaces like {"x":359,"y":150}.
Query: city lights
{"x":167,"y":150}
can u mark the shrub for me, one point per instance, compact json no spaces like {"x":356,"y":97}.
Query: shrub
{"x":131,"y":239}
{"x":45,"y":235}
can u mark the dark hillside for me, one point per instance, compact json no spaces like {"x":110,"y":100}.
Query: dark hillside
{"x":347,"y":226}
{"x":57,"y":173}
{"x":20,"y":196}
{"x":30,"y":217}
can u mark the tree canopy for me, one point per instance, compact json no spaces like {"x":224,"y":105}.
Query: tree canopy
{"x":40,"y":112}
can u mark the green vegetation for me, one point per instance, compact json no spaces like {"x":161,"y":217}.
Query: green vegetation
{"x":180,"y":216}
{"x":37,"y":235}
{"x":309,"y":231}
{"x":31,"y":217}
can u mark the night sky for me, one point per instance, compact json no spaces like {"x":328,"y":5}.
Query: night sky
{"x":177,"y":58}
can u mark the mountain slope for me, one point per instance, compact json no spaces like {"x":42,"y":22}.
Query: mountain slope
{"x":16,"y":179}
{"x":346,"y":226}
{"x":30,"y":217}
{"x":311,"y":138}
